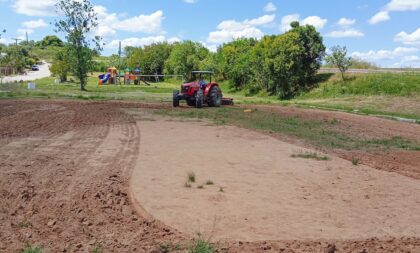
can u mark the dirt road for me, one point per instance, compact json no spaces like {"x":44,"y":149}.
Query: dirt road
{"x":65,"y":168}
{"x":44,"y":71}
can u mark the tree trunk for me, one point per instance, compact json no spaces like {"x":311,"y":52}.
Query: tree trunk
{"x":342,"y":75}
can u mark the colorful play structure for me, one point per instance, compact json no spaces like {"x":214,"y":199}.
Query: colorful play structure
{"x":110,"y":77}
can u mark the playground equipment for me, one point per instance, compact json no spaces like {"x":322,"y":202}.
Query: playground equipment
{"x":199,"y":92}
{"x":110,"y":77}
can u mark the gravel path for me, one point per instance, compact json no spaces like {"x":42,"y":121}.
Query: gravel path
{"x":44,"y":71}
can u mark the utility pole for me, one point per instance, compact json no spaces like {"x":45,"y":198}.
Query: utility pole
{"x":16,"y":40}
{"x":119,"y":62}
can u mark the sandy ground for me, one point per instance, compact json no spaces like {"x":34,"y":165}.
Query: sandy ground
{"x":44,"y":71}
{"x":65,"y":169}
{"x":268,"y":195}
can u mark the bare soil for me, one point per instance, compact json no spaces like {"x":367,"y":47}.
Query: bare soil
{"x":65,"y":168}
{"x":267,"y":193}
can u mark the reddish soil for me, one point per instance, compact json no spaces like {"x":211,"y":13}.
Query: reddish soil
{"x":366,"y":127}
{"x":64,"y":174}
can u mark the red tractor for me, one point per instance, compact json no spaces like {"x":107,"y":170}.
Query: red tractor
{"x":200,"y":92}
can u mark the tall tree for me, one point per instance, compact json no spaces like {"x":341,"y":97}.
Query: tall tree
{"x":185,"y":57}
{"x":79,"y":19}
{"x":339,"y":59}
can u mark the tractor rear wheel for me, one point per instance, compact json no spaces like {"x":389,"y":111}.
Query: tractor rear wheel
{"x":215,"y":97}
{"x":199,"y":99}
{"x":175,"y":99}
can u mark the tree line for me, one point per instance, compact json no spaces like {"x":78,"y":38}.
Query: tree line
{"x":282,"y":65}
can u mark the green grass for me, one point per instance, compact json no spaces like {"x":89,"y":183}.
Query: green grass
{"x":316,"y":132}
{"x":311,"y":155}
{"x":24,"y":224}
{"x":191,"y":177}
{"x":97,"y":248}
{"x":209,"y":182}
{"x":388,"y":94}
{"x":393,"y":84}
{"x":201,"y":245}
{"x":32,"y":249}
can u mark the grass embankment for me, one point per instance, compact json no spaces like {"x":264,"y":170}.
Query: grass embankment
{"x":394,"y":94}
{"x":46,"y":88}
{"x":320,"y":133}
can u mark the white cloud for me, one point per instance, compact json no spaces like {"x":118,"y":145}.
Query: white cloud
{"x":346,"y":33}
{"x":403,"y":5}
{"x":23,"y":31}
{"x":346,"y":22}
{"x":316,"y":21}
{"x":190,"y":1}
{"x":270,"y":7}
{"x":34,"y":24}
{"x":143,"y":23}
{"x":409,"y":38}
{"x":231,"y":29}
{"x":394,"y":5}
{"x":379,"y":55}
{"x":35,"y":8}
{"x":109,"y":23}
{"x":139,"y":42}
{"x":287,"y":20}
{"x":379,"y":17}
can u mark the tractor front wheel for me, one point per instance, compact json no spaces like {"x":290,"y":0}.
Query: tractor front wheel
{"x":199,"y":99}
{"x":175,"y":99}
{"x":215,"y":97}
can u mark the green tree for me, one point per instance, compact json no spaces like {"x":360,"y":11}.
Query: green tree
{"x":338,"y":58}
{"x":61,"y":64}
{"x":151,"y":59}
{"x":314,"y":50}
{"x":185,"y":57}
{"x":237,"y":61}
{"x":79,"y":19}
{"x":51,"y":40}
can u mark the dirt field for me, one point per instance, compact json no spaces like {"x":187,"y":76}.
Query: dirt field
{"x":65,"y":169}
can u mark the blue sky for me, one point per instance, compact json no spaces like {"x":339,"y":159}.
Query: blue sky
{"x":386,"y":32}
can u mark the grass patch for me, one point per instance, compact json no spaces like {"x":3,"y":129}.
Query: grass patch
{"x":355,"y":161}
{"x":191,"y":177}
{"x":97,"y":248}
{"x":32,"y":249}
{"x":391,"y":84}
{"x":24,"y":224}
{"x":319,"y":133}
{"x":209,"y":182}
{"x":396,"y":142}
{"x":201,"y":245}
{"x":311,"y":155}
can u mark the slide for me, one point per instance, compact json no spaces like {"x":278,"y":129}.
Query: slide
{"x":103,"y":79}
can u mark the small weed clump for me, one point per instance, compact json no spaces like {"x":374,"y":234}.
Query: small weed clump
{"x":221,"y":189}
{"x":311,"y":155}
{"x":24,"y":224}
{"x":355,"y":161}
{"x":191,"y":177}
{"x":97,"y":248}
{"x":209,"y":182}
{"x":30,"y":249}
{"x":187,"y":185}
{"x":200,"y":187}
{"x":201,"y":245}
